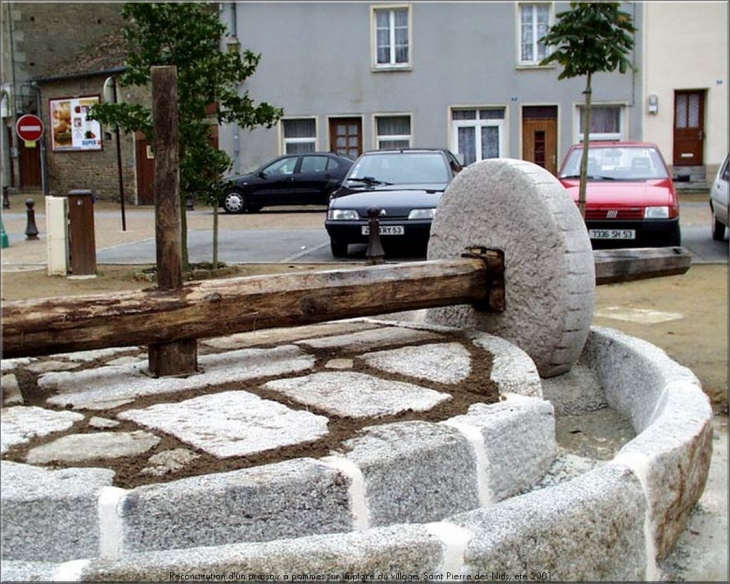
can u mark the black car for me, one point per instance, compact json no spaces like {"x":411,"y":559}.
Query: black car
{"x":405,"y":184}
{"x":292,"y":179}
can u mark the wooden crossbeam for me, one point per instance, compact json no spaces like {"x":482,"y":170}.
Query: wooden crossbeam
{"x":215,"y":308}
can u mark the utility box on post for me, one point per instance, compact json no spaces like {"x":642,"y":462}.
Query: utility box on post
{"x":57,"y":235}
{"x":82,"y":241}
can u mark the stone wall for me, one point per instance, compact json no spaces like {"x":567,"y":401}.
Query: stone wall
{"x":47,"y":34}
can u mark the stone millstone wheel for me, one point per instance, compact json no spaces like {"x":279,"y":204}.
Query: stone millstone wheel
{"x":520,"y":208}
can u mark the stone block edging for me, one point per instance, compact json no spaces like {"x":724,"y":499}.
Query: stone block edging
{"x":613,"y":522}
{"x":410,"y":472}
{"x":672,"y":418}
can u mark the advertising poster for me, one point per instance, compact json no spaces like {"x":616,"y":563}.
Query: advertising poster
{"x":71,"y":131}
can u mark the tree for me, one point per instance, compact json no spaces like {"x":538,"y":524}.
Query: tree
{"x":591,"y":37}
{"x":189,"y":35}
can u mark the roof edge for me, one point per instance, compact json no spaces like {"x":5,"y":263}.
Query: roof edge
{"x":51,"y":78}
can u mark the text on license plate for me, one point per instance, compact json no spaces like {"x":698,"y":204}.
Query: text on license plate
{"x":612,"y":233}
{"x":385,"y":230}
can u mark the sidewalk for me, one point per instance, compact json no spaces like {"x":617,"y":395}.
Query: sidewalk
{"x":243,"y":238}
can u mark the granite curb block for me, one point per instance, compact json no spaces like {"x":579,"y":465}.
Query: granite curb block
{"x":672,"y":418}
{"x":611,"y":523}
{"x":51,"y":515}
{"x":407,"y":472}
{"x":602,"y":510}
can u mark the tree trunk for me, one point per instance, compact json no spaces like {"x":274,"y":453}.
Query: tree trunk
{"x":586,"y":145}
{"x":215,"y":236}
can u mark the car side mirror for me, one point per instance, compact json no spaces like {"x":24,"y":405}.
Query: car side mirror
{"x":262,"y":174}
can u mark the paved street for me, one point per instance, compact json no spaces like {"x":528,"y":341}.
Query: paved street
{"x":266,"y":237}
{"x":312,"y":245}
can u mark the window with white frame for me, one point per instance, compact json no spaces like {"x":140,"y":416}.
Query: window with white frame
{"x":393,"y":131}
{"x":535,"y":22}
{"x":300,"y":135}
{"x":478,"y":133}
{"x":606,"y":122}
{"x":392,"y":37}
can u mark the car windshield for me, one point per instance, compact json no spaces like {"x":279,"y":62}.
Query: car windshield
{"x":399,"y":168}
{"x":617,"y":163}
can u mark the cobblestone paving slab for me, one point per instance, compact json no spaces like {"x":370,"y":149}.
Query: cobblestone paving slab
{"x":113,"y":386}
{"x":79,"y":447}
{"x":443,"y":363}
{"x":21,"y":424}
{"x":232,"y":423}
{"x":357,"y":395}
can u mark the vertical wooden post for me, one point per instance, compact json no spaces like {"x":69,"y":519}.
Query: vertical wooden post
{"x":177,"y":357}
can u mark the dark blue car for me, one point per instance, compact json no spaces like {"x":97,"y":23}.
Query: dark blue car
{"x":405,"y":185}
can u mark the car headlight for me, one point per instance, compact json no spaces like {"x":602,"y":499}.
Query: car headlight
{"x":422,"y":214}
{"x":342,"y":215}
{"x":656,"y":213}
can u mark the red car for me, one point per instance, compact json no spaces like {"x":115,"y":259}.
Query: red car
{"x":630,"y":196}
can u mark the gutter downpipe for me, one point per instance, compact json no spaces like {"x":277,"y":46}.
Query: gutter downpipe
{"x":237,"y":129}
{"x":44,"y":162}
{"x":13,"y":146}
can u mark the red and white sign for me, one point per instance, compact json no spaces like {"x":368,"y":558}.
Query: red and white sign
{"x":29,"y":128}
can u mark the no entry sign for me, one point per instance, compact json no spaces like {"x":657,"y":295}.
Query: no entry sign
{"x":29,"y":128}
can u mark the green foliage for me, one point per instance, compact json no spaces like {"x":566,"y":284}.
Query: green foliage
{"x":591,"y":37}
{"x":188,"y":36}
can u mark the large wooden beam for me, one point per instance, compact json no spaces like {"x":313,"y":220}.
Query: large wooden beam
{"x":176,"y":357}
{"x":626,"y":265}
{"x":221,"y":307}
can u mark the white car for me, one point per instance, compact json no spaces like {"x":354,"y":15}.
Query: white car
{"x":718,"y":202}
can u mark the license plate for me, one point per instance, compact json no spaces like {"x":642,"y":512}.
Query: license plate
{"x":612,"y":233}
{"x":385,"y":230}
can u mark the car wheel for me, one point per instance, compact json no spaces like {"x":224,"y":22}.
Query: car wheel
{"x":339,"y":250}
{"x":235,"y":202}
{"x":718,"y":230}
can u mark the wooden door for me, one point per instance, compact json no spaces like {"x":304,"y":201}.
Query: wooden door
{"x":146,"y":165}
{"x":29,"y":162}
{"x":346,"y":136}
{"x":145,"y":171}
{"x":540,"y":137}
{"x":689,"y":128}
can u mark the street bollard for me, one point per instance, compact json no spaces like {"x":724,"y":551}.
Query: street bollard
{"x":374,"y":252}
{"x":6,"y":200}
{"x":31,"y":230}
